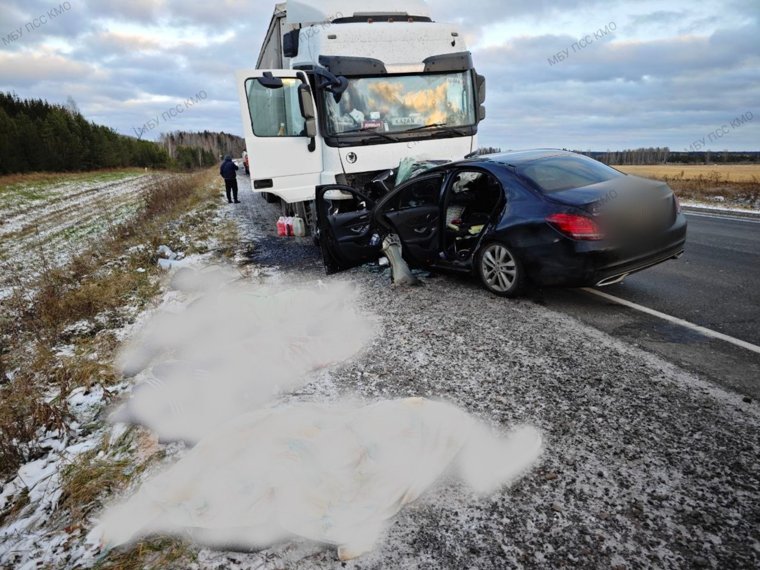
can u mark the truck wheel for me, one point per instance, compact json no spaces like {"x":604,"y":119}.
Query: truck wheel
{"x":270,"y":198}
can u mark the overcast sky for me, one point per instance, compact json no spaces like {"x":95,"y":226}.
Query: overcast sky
{"x":669,"y":74}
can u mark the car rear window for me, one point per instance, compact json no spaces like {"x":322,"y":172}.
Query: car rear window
{"x":557,"y":173}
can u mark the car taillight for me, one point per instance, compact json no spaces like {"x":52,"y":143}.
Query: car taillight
{"x":576,"y":227}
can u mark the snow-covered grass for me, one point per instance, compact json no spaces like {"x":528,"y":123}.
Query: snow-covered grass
{"x":61,"y":329}
{"x":57,"y":318}
{"x":62,"y":219}
{"x":44,"y":186}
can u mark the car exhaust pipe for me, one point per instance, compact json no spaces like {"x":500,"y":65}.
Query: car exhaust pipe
{"x":612,"y":280}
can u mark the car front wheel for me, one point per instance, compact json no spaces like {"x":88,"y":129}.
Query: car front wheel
{"x":500,"y":270}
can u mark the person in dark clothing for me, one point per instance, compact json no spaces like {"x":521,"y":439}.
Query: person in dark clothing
{"x":228,"y":171}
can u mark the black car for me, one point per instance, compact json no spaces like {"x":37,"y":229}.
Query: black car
{"x":545,"y":217}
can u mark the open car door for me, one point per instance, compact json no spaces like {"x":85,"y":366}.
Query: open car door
{"x":347,"y":235}
{"x":280,"y":127}
{"x":413,"y":212}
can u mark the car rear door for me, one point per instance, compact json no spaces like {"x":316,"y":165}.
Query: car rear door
{"x":413,"y":212}
{"x":347,"y":235}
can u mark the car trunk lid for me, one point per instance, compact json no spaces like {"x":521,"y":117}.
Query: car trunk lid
{"x":625,"y":206}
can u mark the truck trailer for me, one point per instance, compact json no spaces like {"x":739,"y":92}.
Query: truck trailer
{"x":345,"y":90}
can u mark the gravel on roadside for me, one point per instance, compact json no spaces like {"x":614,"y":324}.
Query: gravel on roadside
{"x":644,"y":465}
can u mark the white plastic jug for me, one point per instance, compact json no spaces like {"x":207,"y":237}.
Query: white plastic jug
{"x":299,"y":227}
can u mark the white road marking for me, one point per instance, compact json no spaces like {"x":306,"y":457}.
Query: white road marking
{"x":705,"y":331}
{"x":721,"y":217}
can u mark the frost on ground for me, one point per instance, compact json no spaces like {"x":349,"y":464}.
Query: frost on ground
{"x":644,"y":465}
{"x":50,"y":231}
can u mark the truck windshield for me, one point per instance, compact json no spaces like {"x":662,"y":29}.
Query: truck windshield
{"x":396,"y":104}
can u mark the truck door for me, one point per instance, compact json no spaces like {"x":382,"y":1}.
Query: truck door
{"x":280,"y":134}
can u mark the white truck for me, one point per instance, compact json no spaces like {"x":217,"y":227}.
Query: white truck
{"x":344,"y":90}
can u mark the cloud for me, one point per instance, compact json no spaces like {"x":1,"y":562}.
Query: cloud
{"x":22,"y":69}
{"x":488,"y":12}
{"x":145,"y":11}
{"x":663,"y":71}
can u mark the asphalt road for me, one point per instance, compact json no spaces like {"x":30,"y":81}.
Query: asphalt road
{"x":716,"y":284}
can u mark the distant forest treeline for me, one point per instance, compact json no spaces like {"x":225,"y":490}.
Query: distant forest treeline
{"x":36,"y":136}
{"x":658,"y":155}
{"x":665,"y":156}
{"x":200,"y":149}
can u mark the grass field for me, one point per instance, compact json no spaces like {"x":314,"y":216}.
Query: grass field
{"x":39,"y":180}
{"x":735,"y":185}
{"x":716,"y":172}
{"x":61,"y":318}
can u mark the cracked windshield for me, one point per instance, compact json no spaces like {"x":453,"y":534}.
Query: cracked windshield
{"x":398,"y":104}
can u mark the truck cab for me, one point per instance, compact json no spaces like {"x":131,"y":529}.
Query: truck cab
{"x":344,"y":90}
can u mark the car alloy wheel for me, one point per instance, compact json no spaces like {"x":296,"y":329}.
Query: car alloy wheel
{"x":500,"y":271}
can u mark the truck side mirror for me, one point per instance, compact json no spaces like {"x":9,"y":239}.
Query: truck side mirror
{"x":330,"y":82}
{"x":480,"y":85}
{"x":270,"y":81}
{"x":306,"y":102}
{"x":311,"y":128}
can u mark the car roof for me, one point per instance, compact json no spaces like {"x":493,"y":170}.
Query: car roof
{"x":511,"y":160}
{"x":517,"y":158}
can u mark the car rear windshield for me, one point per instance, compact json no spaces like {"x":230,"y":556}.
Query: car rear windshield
{"x":558,"y":173}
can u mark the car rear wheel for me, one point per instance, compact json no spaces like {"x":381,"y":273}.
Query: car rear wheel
{"x":500,"y":270}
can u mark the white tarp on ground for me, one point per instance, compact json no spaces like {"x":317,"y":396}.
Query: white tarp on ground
{"x":332,"y":473}
{"x":329,"y":473}
{"x":233,"y":349}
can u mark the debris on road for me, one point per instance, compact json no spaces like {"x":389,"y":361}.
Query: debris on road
{"x":402,"y":275}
